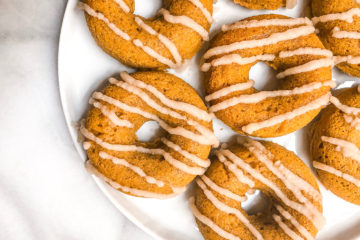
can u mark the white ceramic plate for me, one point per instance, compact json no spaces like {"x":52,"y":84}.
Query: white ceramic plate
{"x":83,"y":67}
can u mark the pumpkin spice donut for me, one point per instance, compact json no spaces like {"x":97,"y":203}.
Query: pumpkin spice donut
{"x":335,"y":145}
{"x":294,"y":208}
{"x":165,"y":41}
{"x":338,"y":24}
{"x":156,"y":169}
{"x":267,"y":4}
{"x":287,"y":45}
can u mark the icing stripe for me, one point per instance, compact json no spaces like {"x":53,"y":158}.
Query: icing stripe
{"x":123,"y":5}
{"x":101,"y":17}
{"x":237,"y":59}
{"x":294,"y":222}
{"x":285,"y":228}
{"x":267,"y":23}
{"x":317,"y":103}
{"x":136,"y":169}
{"x":260,"y":96}
{"x":209,"y":223}
{"x":307,"y":67}
{"x":133,"y":148}
{"x":347,"y":16}
{"x":203,"y":9}
{"x":306,"y":51}
{"x":185,"y":21}
{"x":348,"y":149}
{"x":221,"y":190}
{"x":164,"y":40}
{"x":111,"y":115}
{"x":227,"y":209}
{"x":86,"y":145}
{"x":137,"y":192}
{"x":344,"y":108}
{"x":230,"y":89}
{"x":329,"y":169}
{"x":272,"y":39}
{"x":257,"y":175}
{"x":348,"y":59}
{"x":353,"y":121}
{"x":345,"y":34}
{"x":178,"y":105}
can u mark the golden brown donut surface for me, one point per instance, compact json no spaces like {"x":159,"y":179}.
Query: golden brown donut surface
{"x":175,"y":34}
{"x":338,"y":23}
{"x":294,"y":210}
{"x":287,"y":45}
{"x":267,"y":4}
{"x":155,"y":169}
{"x":335,"y":145}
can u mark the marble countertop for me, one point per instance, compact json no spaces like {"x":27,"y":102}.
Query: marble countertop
{"x":45,"y":191}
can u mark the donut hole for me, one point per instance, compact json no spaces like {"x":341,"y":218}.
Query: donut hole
{"x":256,"y":203}
{"x":264,"y":77}
{"x":147,"y":8}
{"x":150,"y":131}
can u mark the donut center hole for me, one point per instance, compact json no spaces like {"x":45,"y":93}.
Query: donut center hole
{"x":149,"y":131}
{"x":256,"y":203}
{"x":264,"y":77}
{"x":147,"y":8}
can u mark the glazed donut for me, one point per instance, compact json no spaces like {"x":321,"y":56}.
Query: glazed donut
{"x":175,"y":34}
{"x":335,"y":145}
{"x":287,"y":45}
{"x":155,"y":169}
{"x":338,"y":25}
{"x":267,"y":4}
{"x":295,"y":208}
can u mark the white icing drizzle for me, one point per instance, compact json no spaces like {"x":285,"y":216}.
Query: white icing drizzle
{"x":329,"y":169}
{"x":208,"y":222}
{"x":257,"y":175}
{"x":264,"y":156}
{"x":185,"y":21}
{"x":345,"y":34}
{"x":201,"y":162}
{"x":86,"y":145}
{"x":317,"y":103}
{"x":307,"y":67}
{"x":227,"y":209}
{"x":348,"y":59}
{"x":236,"y":171}
{"x":101,"y":17}
{"x":347,"y":16}
{"x":344,"y":108}
{"x":285,"y":228}
{"x":133,"y":148}
{"x":237,"y":59}
{"x":123,"y":5}
{"x":306,"y":51}
{"x":137,"y":192}
{"x":203,"y":9}
{"x":221,"y":190}
{"x":136,"y":169}
{"x":291,"y":4}
{"x":230,"y":89}
{"x":272,"y":39}
{"x":164,"y":40}
{"x":348,"y":149}
{"x":294,"y":222}
{"x":260,"y":96}
{"x":111,"y":115}
{"x":353,"y":121}
{"x":178,"y":105}
{"x":205,"y":136}
{"x":267,"y":23}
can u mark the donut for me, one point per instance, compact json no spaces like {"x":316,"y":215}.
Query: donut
{"x":287,"y":45}
{"x":267,"y":4}
{"x":161,"y":168}
{"x":335,"y":145}
{"x":176,"y":33}
{"x":294,"y":208}
{"x":338,"y":25}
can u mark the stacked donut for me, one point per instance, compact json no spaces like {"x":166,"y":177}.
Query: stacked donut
{"x":162,"y":168}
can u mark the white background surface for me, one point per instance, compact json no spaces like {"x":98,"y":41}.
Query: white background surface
{"x":45,"y":192}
